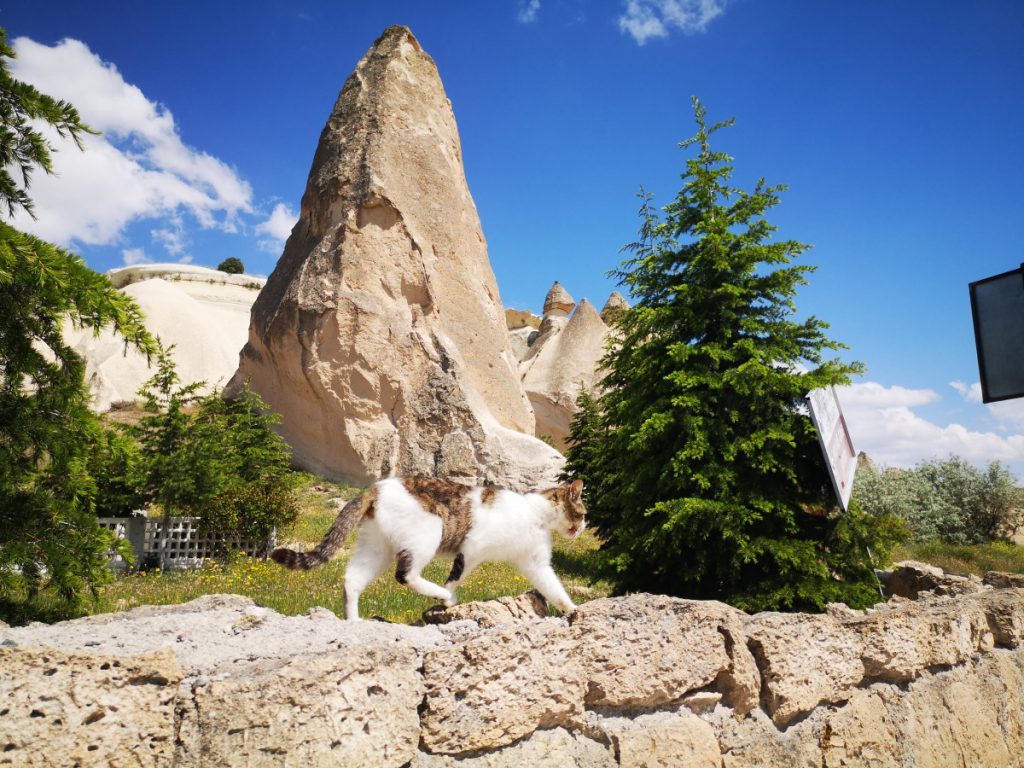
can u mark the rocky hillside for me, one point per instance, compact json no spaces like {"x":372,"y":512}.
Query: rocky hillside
{"x":204,"y":313}
{"x":636,"y":681}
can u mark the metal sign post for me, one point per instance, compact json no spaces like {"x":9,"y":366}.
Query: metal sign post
{"x":835,"y":441}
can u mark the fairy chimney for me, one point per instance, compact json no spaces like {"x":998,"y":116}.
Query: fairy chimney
{"x":558,"y":302}
{"x":560,"y":365}
{"x":613,"y":307}
{"x":380,"y":337}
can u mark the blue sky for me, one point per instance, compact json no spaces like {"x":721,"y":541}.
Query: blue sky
{"x":897,"y":127}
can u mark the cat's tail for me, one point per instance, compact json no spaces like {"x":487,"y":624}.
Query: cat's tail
{"x":342,"y":526}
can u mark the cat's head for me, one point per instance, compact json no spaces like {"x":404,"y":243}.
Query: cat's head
{"x":570,"y":514}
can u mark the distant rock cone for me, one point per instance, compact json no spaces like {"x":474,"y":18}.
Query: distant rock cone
{"x":558,"y":302}
{"x":559,"y":364}
{"x":614,"y":307}
{"x":380,"y":337}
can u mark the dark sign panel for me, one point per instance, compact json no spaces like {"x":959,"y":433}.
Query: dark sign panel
{"x":998,"y":307}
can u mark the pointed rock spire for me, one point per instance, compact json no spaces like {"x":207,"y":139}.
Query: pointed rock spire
{"x":380,"y":336}
{"x":558,"y":302}
{"x":615,"y":304}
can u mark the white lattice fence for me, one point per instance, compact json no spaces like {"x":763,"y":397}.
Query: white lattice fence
{"x":185,"y":546}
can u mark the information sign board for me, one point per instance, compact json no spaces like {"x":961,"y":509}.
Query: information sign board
{"x":835,"y":441}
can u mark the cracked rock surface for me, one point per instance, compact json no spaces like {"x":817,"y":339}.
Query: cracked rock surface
{"x":634,"y":681}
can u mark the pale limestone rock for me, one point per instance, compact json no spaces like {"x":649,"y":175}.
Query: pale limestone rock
{"x":898,"y":641}
{"x":521,"y":318}
{"x":942,"y":684}
{"x":343,"y":709}
{"x":520,"y":339}
{"x":663,"y":740}
{"x":613,"y":307}
{"x":204,"y":313}
{"x":59,"y":708}
{"x":909,"y":578}
{"x":805,"y":660}
{"x":529,"y":606}
{"x":500,"y":687}
{"x":381,"y":333}
{"x":1001,"y":580}
{"x":862,"y":733}
{"x":562,"y":361}
{"x":1004,"y":613}
{"x":550,"y":748}
{"x":650,"y":650}
{"x":558,"y":302}
{"x":968,"y":716}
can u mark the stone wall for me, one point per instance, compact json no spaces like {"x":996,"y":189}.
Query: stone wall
{"x":638,"y":681}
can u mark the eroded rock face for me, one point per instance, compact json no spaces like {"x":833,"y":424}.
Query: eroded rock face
{"x":561,"y":361}
{"x":78,"y":708}
{"x":380,"y":337}
{"x":636,"y":681}
{"x":202,"y":312}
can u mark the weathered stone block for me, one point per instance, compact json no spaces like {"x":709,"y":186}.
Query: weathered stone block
{"x":499,"y":687}
{"x":60,"y":709}
{"x":355,"y":707}
{"x":805,"y":660}
{"x":648,"y":650}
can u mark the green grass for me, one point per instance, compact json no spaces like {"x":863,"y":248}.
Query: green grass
{"x":975,"y":558}
{"x":295,"y":592}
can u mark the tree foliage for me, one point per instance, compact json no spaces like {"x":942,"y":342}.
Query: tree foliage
{"x":48,"y":435}
{"x":23,"y":147}
{"x":214,"y":458}
{"x":232,"y":265}
{"x":948,"y":500}
{"x":704,"y":474}
{"x":48,"y":530}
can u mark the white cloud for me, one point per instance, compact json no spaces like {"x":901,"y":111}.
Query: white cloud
{"x":644,"y":19}
{"x":172,"y":237}
{"x":277,"y":227}
{"x":138,"y":169}
{"x":1009,"y":414}
{"x":970,"y":392}
{"x":528,"y":10}
{"x":133,"y":256}
{"x":871,"y":394}
{"x":883,"y":424}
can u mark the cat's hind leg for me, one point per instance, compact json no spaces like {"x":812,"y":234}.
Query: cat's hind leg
{"x":411,"y":563}
{"x":371,"y":557}
{"x":543,"y":577}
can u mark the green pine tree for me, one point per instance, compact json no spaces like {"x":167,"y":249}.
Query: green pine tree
{"x":213,"y":458}
{"x":260,"y":492}
{"x":49,"y":536}
{"x":703,"y":474}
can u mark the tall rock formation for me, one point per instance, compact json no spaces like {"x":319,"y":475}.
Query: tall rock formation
{"x":560,"y":362}
{"x":380,"y":337}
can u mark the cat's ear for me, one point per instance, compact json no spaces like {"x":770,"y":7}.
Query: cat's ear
{"x":576,"y":490}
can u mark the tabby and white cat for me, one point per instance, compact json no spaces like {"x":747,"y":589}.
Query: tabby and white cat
{"x":415,"y":518}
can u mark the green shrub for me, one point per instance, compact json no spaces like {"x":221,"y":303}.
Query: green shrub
{"x":232,"y":265}
{"x":948,"y":500}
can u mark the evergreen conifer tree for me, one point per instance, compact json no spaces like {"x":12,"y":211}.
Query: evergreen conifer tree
{"x":702,"y":470}
{"x":49,"y":535}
